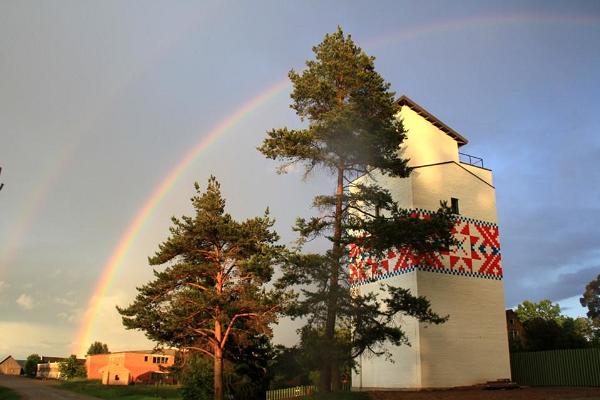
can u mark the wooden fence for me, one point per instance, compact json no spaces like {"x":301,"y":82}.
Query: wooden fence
{"x":574,"y":367}
{"x":291,"y":393}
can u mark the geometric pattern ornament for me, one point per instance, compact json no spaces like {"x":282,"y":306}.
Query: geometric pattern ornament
{"x":475,"y":255}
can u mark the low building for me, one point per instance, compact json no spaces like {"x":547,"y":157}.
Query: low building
{"x":49,"y":367}
{"x":48,"y":370}
{"x":10,"y":366}
{"x":127,"y":367}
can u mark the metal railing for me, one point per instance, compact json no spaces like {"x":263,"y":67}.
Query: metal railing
{"x":469,"y":159}
{"x":291,"y":393}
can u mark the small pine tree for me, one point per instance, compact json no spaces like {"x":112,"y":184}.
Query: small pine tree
{"x":71,"y":368}
{"x":212,"y":291}
{"x":98,"y":348}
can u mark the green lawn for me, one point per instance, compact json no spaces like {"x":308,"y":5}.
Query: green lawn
{"x":341,"y":396}
{"x":8,"y":394}
{"x":135,"y":392}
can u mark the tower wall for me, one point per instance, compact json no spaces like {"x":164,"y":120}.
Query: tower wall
{"x":404,"y":368}
{"x":464,"y":283}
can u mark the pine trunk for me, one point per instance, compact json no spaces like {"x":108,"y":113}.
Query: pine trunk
{"x":331,"y":359}
{"x":218,"y":371}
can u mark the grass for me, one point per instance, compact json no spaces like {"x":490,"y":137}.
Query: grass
{"x":8,"y":394}
{"x":340,"y":396}
{"x":134,"y":392}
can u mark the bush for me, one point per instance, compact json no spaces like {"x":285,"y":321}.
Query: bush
{"x":197,"y":379}
{"x":31,"y":365}
{"x":70,"y":368}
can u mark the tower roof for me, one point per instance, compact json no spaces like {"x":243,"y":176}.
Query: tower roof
{"x":406,"y":101}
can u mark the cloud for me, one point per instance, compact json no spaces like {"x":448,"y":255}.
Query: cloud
{"x":563,"y":286}
{"x":69,"y":317}
{"x":63,"y":301}
{"x":25,"y":301}
{"x":23,"y":338}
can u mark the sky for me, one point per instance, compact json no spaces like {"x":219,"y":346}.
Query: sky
{"x":110,"y":111}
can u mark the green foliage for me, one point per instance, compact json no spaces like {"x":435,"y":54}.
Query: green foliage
{"x":546,"y":328}
{"x":289,"y":368}
{"x":98,"y":348}
{"x":247,"y":372}
{"x":197,"y":382}
{"x":113,"y":392}
{"x":544,"y":310}
{"x":548,"y":334}
{"x":71,"y":368}
{"x":352,"y":132}
{"x":591,"y":299}
{"x":213,"y":287}
{"x":31,"y":365}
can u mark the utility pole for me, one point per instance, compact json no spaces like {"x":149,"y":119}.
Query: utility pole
{"x":1,"y":184}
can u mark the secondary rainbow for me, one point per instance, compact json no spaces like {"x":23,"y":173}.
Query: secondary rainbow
{"x":124,"y":244}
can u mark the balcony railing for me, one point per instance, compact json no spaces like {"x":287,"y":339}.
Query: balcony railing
{"x":469,"y":159}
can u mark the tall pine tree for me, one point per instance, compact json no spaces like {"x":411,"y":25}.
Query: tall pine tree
{"x":352,"y":132}
{"x":212,"y":290}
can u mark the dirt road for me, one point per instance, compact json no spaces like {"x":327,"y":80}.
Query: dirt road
{"x":34,"y":389}
{"x":531,"y":393}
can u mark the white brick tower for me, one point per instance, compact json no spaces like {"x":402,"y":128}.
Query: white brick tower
{"x":472,"y":346}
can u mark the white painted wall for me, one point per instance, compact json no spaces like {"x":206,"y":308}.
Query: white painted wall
{"x":472,"y":346}
{"x":405,"y":370}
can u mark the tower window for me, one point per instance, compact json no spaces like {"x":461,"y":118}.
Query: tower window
{"x":454,"y":205}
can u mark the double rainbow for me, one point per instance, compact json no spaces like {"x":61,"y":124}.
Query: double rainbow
{"x":87,"y":326}
{"x":83,"y":337}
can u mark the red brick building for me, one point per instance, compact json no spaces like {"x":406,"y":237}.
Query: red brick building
{"x":126,"y":367}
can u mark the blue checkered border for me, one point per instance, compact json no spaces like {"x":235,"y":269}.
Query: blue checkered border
{"x":413,"y":268}
{"x":458,"y":217}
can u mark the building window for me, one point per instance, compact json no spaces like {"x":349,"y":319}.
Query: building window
{"x":454,"y":205}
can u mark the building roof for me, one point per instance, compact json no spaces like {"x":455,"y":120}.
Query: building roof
{"x":2,"y":362}
{"x":165,"y":352}
{"x":406,"y":101}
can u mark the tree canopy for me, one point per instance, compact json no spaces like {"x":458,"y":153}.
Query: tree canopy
{"x":544,"y":310}
{"x":546,"y":328}
{"x":31,"y":363}
{"x":98,"y":348}
{"x":591,"y":299}
{"x":71,"y":368}
{"x":211,"y":291}
{"x":352,"y":132}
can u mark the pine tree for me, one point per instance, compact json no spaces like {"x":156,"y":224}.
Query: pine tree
{"x":212,"y":289}
{"x":352,"y":132}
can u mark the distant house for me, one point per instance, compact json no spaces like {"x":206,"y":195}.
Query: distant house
{"x":126,"y":367}
{"x":515,"y":330}
{"x":10,"y":366}
{"x":48,"y":370}
{"x":49,"y":367}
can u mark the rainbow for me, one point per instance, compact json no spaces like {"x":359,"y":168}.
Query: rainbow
{"x":87,"y":325}
{"x":125,"y":242}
